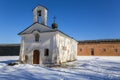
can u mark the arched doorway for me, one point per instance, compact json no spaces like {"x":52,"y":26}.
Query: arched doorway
{"x":36,"y":56}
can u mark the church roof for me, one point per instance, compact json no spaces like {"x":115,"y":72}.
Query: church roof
{"x":40,"y":6}
{"x":49,"y":30}
{"x":24,"y":31}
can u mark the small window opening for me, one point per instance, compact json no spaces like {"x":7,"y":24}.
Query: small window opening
{"x":46,"y":52}
{"x":116,"y":50}
{"x":37,"y":37}
{"x":92,"y":51}
{"x":80,"y":49}
{"x":104,"y":50}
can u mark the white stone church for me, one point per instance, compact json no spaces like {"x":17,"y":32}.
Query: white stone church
{"x":41,"y":44}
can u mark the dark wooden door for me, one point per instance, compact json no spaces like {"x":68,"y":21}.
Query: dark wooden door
{"x":36,"y":56}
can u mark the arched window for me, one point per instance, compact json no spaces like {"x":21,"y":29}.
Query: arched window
{"x":39,"y":16}
{"x":37,"y":37}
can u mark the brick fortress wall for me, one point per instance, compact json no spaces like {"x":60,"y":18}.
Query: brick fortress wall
{"x":99,"y":48}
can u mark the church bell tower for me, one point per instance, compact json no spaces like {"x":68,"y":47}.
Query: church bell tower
{"x":40,"y":15}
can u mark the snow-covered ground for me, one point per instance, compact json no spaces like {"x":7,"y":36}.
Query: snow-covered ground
{"x":85,"y":68}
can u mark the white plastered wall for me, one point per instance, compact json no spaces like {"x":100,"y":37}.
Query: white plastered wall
{"x":46,"y":41}
{"x":67,"y":48}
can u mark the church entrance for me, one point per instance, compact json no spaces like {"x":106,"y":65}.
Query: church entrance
{"x":36,"y":56}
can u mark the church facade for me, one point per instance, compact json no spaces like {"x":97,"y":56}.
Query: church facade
{"x":41,"y":44}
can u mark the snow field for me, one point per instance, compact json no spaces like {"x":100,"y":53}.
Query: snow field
{"x":84,"y":68}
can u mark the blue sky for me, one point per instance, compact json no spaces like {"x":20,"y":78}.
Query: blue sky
{"x":81,"y":19}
